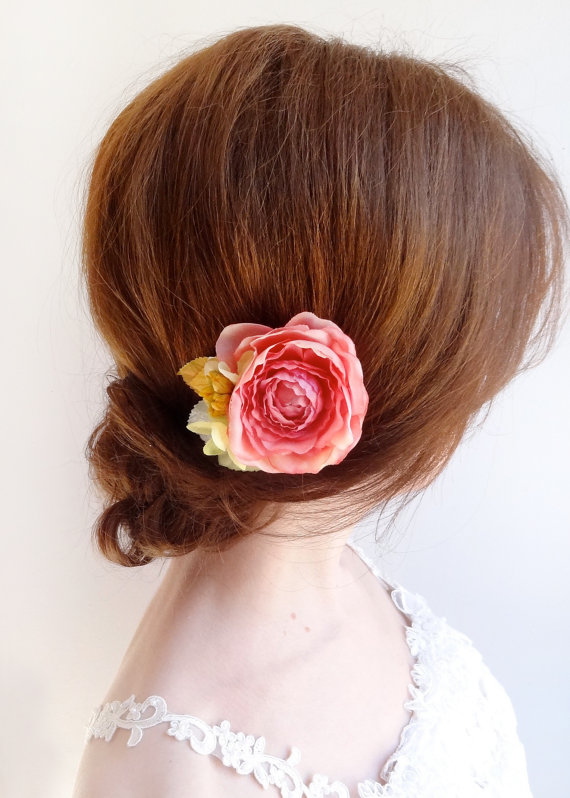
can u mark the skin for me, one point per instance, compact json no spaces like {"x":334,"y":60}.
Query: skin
{"x":290,"y":638}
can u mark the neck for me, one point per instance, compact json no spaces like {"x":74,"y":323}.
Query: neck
{"x":294,"y":585}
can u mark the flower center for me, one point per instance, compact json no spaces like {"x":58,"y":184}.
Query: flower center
{"x":290,"y":398}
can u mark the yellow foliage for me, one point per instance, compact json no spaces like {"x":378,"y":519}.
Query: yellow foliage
{"x":213,"y":386}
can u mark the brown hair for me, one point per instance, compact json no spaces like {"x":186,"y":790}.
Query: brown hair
{"x":276,"y":171}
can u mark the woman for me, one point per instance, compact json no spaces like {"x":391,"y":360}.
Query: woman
{"x":313,"y":264}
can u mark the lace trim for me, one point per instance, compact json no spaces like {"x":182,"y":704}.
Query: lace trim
{"x":398,"y":769}
{"x":246,"y":754}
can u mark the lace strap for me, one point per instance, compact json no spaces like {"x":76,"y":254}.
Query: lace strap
{"x":243,"y":752}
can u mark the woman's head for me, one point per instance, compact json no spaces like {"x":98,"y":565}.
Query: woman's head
{"x":275,"y":172}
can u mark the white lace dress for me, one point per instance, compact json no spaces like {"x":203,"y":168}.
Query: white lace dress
{"x":461,"y":740}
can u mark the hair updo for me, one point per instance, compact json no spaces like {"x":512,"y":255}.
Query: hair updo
{"x":273,"y":172}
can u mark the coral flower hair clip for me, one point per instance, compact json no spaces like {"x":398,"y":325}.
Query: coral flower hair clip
{"x":287,"y":400}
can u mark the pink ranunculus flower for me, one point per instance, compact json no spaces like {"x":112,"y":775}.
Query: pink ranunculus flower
{"x":300,"y":400}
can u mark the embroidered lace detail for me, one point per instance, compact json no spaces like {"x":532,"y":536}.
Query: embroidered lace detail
{"x":245,"y":753}
{"x":461,"y":738}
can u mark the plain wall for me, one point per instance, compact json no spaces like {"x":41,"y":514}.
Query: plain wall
{"x":487,"y":545}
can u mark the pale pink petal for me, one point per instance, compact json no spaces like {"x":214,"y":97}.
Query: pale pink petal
{"x":309,"y":319}
{"x":233,"y":335}
{"x":301,"y":464}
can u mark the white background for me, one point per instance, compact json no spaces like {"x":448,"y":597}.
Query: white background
{"x":488,"y":544}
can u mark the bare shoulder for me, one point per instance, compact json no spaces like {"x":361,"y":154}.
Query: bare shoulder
{"x":156,"y":765}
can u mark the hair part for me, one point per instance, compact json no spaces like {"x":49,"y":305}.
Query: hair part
{"x":276,"y":171}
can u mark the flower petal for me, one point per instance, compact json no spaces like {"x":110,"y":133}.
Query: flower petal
{"x":232,"y":336}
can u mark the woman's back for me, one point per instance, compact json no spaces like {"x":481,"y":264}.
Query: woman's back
{"x":336,"y":694}
{"x":339,"y":700}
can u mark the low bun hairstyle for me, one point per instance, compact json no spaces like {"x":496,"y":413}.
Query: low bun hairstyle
{"x":272,"y":172}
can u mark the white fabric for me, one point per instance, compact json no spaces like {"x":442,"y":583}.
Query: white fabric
{"x":460,"y":742}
